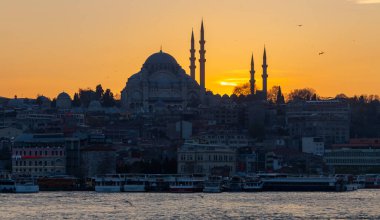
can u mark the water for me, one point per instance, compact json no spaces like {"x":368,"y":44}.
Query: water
{"x":361,"y":204}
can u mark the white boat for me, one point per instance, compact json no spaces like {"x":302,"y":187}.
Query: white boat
{"x":184,"y":184}
{"x":213,"y":184}
{"x":108,"y":183}
{"x":134,"y":183}
{"x":252,"y":184}
{"x":26,"y":187}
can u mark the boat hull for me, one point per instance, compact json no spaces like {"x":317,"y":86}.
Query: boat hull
{"x":183,"y":190}
{"x":212,"y":190}
{"x":134,"y":188}
{"x":27,"y":188}
{"x":108,"y":189}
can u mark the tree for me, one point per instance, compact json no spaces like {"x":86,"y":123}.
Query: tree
{"x":76,"y":100}
{"x":39,"y":100}
{"x":280,"y":97}
{"x":86,"y":96}
{"x":99,"y":92}
{"x":243,"y":89}
{"x":53,"y":103}
{"x":302,"y":94}
{"x":108,"y":99}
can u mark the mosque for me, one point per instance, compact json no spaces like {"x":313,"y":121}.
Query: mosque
{"x":162,"y":83}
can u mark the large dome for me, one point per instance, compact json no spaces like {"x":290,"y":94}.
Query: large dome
{"x":160,"y":61}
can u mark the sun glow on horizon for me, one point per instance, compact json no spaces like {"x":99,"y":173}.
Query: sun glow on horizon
{"x":59,"y":46}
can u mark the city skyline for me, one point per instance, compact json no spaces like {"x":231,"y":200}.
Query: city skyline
{"x":63,"y":46}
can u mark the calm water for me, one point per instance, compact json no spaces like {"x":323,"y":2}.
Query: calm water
{"x":362,"y":204}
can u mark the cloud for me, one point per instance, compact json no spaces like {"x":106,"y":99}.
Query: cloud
{"x":366,"y":1}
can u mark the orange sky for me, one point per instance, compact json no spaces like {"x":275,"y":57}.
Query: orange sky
{"x":47,"y":47}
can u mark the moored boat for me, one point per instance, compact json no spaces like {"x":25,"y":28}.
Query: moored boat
{"x":108,"y":183}
{"x":186,"y":184}
{"x":134,"y":183}
{"x":252,"y":184}
{"x":58,"y":183}
{"x":7,"y":184}
{"x":372,"y":181}
{"x":235,"y":184}
{"x":28,"y":185}
{"x":304,"y":184}
{"x":213,"y":184}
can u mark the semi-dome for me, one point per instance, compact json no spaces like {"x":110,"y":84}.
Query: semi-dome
{"x":160,"y":61}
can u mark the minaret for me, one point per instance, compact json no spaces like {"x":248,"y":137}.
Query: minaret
{"x":202,"y":60}
{"x":252,"y":81}
{"x":192,"y":57}
{"x":265,"y":74}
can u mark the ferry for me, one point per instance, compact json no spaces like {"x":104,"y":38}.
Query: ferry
{"x":7,"y":184}
{"x":26,"y":185}
{"x":186,"y":184}
{"x":213,"y":184}
{"x":134,"y":183}
{"x":108,"y":183}
{"x":360,"y":180}
{"x":304,"y":184}
{"x":252,"y":184}
{"x":372,"y":181}
{"x":159,"y":182}
{"x":235,"y":184}
{"x":58,"y":183}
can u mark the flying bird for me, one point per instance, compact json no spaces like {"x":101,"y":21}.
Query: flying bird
{"x":321,"y":53}
{"x":300,"y":25}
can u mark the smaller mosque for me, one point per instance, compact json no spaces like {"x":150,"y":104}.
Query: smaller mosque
{"x":259,"y":94}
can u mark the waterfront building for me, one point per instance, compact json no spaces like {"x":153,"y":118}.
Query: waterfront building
{"x":46,"y":154}
{"x":328,"y":119}
{"x":202,"y":158}
{"x":356,"y":156}
{"x":356,"y":161}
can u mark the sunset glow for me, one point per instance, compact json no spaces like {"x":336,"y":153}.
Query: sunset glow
{"x":52,"y":46}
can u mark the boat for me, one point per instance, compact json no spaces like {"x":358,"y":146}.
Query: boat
{"x":27,"y":185}
{"x":235,"y":184}
{"x":108,"y":183}
{"x":134,"y":183}
{"x":213,"y":184}
{"x":252,"y":184}
{"x":58,"y":183}
{"x":187,"y":184}
{"x":360,"y":180}
{"x":7,"y":184}
{"x":304,"y":184}
{"x":372,"y":181}
{"x":159,"y":182}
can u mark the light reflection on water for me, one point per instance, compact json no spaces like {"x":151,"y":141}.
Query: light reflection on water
{"x":279,"y":205}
